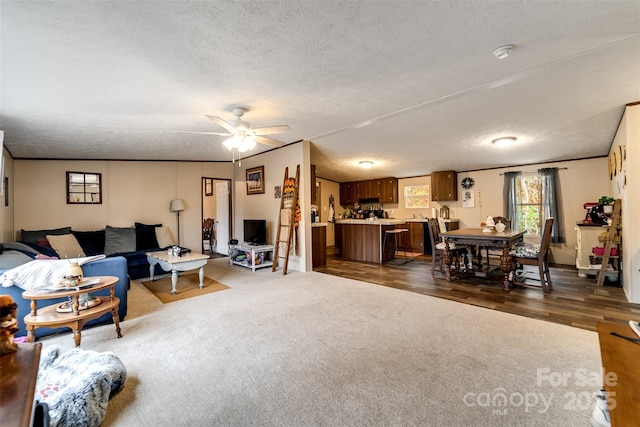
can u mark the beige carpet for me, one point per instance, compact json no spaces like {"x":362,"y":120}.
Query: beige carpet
{"x":310,"y":349}
{"x":188,"y":286}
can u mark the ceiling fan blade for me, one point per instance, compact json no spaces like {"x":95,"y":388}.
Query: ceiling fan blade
{"x":221,"y":122}
{"x":205,"y":133}
{"x":268,"y":141}
{"x":270,"y":130}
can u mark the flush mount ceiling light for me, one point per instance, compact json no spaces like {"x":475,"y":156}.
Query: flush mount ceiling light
{"x":366,"y":164}
{"x":504,"y":141}
{"x":503,"y":51}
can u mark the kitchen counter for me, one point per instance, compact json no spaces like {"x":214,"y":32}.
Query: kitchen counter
{"x":318,"y":224}
{"x":380,"y":221}
{"x":363,"y":239}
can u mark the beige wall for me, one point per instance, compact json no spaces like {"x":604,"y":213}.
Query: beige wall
{"x":325,"y":190}
{"x":628,"y":190}
{"x":6,"y":212}
{"x":266,"y":206}
{"x":582,"y":181}
{"x":132,"y":192}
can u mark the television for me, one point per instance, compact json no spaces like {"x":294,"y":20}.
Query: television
{"x":255,"y":231}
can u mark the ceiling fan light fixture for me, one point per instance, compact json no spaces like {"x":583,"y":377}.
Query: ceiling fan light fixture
{"x":232,"y":142}
{"x":504,"y":141}
{"x":503,"y":51}
{"x":366,"y":164}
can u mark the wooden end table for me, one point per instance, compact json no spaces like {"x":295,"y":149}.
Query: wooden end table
{"x":190,"y":261}
{"x":49,"y":317}
{"x":18,"y":375}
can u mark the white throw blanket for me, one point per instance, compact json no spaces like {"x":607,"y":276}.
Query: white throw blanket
{"x":39,"y":274}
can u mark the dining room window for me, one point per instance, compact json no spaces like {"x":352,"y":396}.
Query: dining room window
{"x":528,"y":206}
{"x":530,"y":198}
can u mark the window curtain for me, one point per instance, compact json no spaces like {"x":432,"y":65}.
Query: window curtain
{"x":510,"y":198}
{"x":551,"y":203}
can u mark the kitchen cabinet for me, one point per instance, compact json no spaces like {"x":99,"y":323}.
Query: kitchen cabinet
{"x":318,"y":245}
{"x":416,"y":236}
{"x":385,"y":189}
{"x":388,"y":190}
{"x":444,"y":186}
{"x":346,"y":193}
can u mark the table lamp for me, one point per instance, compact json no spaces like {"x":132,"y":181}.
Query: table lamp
{"x":177,"y":206}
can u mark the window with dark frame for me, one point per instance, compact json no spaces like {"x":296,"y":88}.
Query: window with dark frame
{"x":84,"y":188}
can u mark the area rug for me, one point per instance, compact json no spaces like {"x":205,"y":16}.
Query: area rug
{"x":187,"y":287}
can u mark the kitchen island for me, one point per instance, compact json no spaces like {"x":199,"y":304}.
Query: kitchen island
{"x":362,"y":239}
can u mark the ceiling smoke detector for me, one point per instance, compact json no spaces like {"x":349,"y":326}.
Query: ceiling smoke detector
{"x":503,"y":51}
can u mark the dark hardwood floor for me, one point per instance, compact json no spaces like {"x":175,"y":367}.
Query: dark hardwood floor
{"x":574,"y":301}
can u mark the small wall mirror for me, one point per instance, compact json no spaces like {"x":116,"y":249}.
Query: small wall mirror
{"x":84,"y":188}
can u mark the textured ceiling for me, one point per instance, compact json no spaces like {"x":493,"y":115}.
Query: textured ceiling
{"x":412,"y":86}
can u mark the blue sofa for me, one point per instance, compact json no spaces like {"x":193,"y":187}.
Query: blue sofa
{"x":112,"y":266}
{"x":132,"y":243}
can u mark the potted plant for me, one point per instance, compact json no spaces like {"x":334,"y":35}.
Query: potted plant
{"x":606,"y":203}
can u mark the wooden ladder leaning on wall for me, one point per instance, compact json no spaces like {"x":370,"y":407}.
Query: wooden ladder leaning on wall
{"x":286,"y":219}
{"x":613,"y":236}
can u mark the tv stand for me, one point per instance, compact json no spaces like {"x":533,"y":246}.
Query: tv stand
{"x":252,"y":256}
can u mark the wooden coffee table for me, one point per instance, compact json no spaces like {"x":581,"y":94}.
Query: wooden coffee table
{"x":49,"y":316}
{"x":190,"y":261}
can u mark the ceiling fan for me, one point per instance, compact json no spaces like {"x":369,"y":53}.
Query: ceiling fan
{"x":242,"y":136}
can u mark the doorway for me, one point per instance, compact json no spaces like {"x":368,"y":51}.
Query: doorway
{"x":216,"y":211}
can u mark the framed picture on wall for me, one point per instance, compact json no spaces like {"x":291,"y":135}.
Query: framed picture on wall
{"x":255,"y":180}
{"x":417,"y":196}
{"x":208,"y":186}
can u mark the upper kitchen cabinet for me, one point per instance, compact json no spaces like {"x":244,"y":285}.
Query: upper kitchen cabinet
{"x":444,"y":186}
{"x":346,"y":193}
{"x":384,"y":189}
{"x":388,"y":190}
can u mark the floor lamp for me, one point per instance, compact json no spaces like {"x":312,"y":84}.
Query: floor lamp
{"x":177,"y":206}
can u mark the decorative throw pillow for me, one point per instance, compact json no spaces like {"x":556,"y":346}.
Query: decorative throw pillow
{"x":164,"y":237}
{"x":92,"y":242}
{"x":35,"y":235}
{"x":146,"y":236}
{"x":66,"y":246}
{"x":118,"y":240}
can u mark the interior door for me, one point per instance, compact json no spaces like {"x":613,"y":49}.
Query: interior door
{"x":222,"y":217}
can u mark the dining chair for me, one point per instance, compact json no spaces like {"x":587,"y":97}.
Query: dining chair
{"x":526,"y":253}
{"x":497,"y":252}
{"x":438,"y":245}
{"x":208,"y":234}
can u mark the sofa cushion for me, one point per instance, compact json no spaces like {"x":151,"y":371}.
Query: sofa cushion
{"x":92,"y":242}
{"x":119,"y":240}
{"x":35,"y":235}
{"x":37,"y":249}
{"x":146,"y":236}
{"x":66,"y":246}
{"x":11,"y":259}
{"x":165,"y":239}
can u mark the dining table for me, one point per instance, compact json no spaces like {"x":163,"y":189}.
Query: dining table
{"x":484,"y":237}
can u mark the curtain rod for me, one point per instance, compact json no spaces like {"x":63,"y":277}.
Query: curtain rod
{"x":560,"y":169}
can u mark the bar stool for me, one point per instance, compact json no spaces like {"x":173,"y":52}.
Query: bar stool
{"x":397,"y":234}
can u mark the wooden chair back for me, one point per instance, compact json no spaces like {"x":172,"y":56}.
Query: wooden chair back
{"x":505,"y":221}
{"x":546,"y":239}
